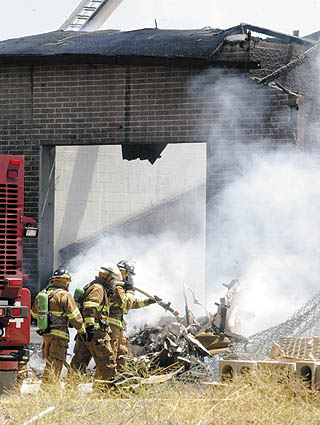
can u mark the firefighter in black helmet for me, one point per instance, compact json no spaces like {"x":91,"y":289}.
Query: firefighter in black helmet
{"x":62,"y":309}
{"x":117,"y":323}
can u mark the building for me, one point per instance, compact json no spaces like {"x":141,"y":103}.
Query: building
{"x":143,"y":90}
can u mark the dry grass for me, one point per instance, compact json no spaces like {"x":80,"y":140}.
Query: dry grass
{"x":257,"y":398}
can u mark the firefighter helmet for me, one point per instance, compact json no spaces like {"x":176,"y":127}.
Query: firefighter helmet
{"x":128,"y":266}
{"x":111,"y":269}
{"x":61,"y":274}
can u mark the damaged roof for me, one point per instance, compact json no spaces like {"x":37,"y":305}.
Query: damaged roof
{"x":144,"y":46}
{"x":114,"y":47}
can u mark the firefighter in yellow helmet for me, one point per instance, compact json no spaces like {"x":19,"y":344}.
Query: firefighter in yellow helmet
{"x":117,"y":323}
{"x":95,"y":312}
{"x":62,"y":309}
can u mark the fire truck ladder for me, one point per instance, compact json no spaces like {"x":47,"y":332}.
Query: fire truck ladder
{"x":90,"y":15}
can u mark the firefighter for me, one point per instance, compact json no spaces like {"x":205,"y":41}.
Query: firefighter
{"x":62,"y":309}
{"x":117,"y":323}
{"x":95,"y":312}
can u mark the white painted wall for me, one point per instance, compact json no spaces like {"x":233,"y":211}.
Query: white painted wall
{"x":95,"y":187}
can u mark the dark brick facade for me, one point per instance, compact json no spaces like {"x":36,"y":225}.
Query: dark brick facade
{"x":101,"y":104}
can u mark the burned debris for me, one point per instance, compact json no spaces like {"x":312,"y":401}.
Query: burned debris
{"x":194,"y":350}
{"x":182,"y":344}
{"x":178,"y":347}
{"x":197,"y":350}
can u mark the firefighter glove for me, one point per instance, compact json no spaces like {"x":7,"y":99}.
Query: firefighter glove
{"x":128,"y":284}
{"x":151,"y":301}
{"x":128,"y":287}
{"x":90,"y":333}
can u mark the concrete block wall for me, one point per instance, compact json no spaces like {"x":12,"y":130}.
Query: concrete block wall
{"x":278,"y":366}
{"x":95,"y":189}
{"x":229,"y":369}
{"x":95,"y":105}
{"x":306,"y":369}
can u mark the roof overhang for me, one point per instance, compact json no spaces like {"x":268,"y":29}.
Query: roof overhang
{"x":69,"y":59}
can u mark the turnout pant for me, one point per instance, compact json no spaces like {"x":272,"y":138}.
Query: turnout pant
{"x":119,"y":344}
{"x":81,"y":356}
{"x":100,"y":349}
{"x":54,"y":352}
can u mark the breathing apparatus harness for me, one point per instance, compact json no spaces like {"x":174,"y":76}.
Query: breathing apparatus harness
{"x":80,"y":301}
{"x":46,"y":319}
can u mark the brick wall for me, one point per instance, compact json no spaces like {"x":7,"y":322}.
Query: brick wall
{"x":17,"y":138}
{"x":272,"y":55}
{"x":303,"y":80}
{"x":78,"y":105}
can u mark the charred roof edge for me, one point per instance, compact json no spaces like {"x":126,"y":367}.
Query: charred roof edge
{"x":69,"y":59}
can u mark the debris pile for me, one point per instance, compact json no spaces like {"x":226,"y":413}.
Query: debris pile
{"x":174,"y":338}
{"x":306,"y":348}
{"x":292,"y":336}
{"x":188,"y":349}
{"x":183,"y":344}
{"x":178,"y":347}
{"x":174,"y":349}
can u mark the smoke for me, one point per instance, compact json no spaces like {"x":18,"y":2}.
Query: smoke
{"x":264,"y":212}
{"x":266,"y":235}
{"x":163,"y":265}
{"x":263,"y":218}
{"x":311,"y":80}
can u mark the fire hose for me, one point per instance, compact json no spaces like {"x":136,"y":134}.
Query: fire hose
{"x":159,"y":301}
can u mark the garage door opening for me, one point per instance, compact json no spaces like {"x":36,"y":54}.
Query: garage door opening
{"x":154,"y":214}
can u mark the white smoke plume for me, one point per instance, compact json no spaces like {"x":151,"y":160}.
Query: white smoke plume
{"x":266,"y":232}
{"x":263,"y":228}
{"x":163,"y":265}
{"x":264,"y":221}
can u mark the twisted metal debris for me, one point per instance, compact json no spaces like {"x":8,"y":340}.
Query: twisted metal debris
{"x":304,"y":323}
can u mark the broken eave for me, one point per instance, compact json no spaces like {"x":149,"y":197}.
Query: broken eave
{"x":70,"y":59}
{"x":285,"y":38}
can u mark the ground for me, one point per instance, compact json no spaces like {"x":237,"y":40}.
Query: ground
{"x":256,"y":398}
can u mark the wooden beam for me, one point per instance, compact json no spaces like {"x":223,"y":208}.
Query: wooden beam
{"x":282,"y":36}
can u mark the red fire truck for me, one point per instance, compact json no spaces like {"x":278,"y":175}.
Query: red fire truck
{"x":14,"y":298}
